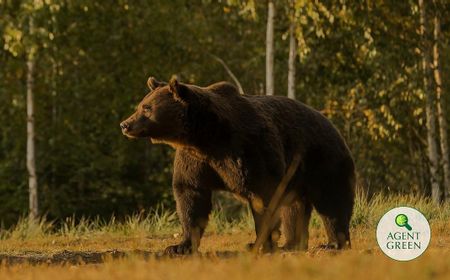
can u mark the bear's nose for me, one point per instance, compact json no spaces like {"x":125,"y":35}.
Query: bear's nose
{"x":124,"y":126}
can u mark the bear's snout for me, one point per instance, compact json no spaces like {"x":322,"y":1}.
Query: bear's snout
{"x":132,"y":128}
{"x":124,"y":126}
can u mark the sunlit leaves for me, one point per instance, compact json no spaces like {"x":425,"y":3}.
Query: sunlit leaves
{"x":12,"y":37}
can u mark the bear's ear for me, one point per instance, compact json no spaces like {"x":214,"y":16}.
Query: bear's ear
{"x":180,"y":92}
{"x":153,"y":84}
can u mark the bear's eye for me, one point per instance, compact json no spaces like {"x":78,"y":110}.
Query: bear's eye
{"x":147,"y":109}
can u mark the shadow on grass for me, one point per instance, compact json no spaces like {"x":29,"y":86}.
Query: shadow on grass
{"x":81,"y":257}
{"x":85,"y":257}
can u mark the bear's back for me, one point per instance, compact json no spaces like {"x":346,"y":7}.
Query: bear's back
{"x":292,"y":122}
{"x":299,"y":124}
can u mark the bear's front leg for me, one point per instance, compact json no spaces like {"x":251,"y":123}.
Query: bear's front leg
{"x":193,"y":208}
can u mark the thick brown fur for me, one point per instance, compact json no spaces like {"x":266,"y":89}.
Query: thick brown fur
{"x":243,"y":144}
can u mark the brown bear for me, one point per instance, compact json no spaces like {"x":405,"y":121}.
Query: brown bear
{"x":244,"y":144}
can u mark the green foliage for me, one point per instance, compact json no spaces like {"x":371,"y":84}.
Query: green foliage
{"x":92,"y":64}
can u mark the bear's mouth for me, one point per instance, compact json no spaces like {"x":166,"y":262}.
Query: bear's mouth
{"x":127,"y":134}
{"x":132,"y":134}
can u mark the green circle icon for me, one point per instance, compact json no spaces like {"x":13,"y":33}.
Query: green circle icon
{"x":402,"y":221}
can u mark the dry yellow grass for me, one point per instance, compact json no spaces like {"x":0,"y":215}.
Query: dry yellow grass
{"x":348,"y":265}
{"x":364,"y":261}
{"x":141,"y":238}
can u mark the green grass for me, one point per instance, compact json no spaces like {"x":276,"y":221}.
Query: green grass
{"x":163,"y":222}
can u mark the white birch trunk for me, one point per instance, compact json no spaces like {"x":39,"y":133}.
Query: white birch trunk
{"x":269,"y":48}
{"x":430,"y":108}
{"x":31,"y":164}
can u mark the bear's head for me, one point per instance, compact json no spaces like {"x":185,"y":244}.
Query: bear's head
{"x":161,"y":115}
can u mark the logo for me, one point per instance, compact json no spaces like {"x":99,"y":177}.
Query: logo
{"x":403,"y":233}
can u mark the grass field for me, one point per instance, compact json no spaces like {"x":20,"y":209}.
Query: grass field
{"x":95,"y":249}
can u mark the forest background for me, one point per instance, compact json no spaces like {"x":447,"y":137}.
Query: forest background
{"x":72,"y":70}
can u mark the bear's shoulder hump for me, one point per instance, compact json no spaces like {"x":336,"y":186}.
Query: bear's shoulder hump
{"x":223,"y":88}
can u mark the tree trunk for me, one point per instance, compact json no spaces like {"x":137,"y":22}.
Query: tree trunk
{"x":292,"y":58}
{"x":430,"y":107}
{"x":31,"y":165}
{"x":269,"y":48}
{"x":54,"y":86}
{"x":440,"y":102}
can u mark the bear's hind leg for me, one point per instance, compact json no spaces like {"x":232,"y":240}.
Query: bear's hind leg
{"x":270,"y":244}
{"x":295,"y":224}
{"x":338,"y":232}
